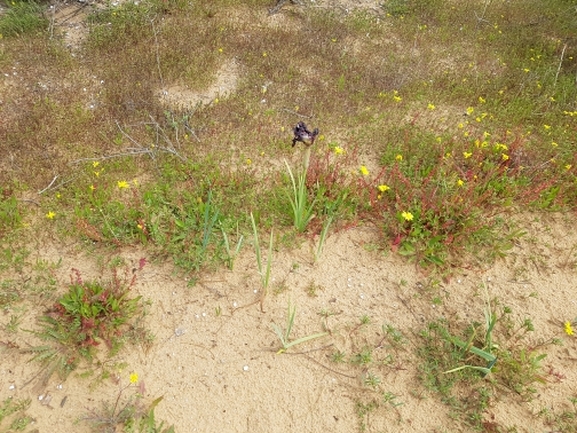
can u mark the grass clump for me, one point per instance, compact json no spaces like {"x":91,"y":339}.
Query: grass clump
{"x":22,"y":17}
{"x":14,"y":410}
{"x":471,"y":368}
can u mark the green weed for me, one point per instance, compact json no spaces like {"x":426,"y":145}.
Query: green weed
{"x":89,"y":314}
{"x":127,"y":414}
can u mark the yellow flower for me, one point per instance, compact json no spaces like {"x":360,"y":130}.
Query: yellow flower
{"x":383,"y":188}
{"x":50,"y":215}
{"x":133,"y":377}
{"x":399,"y":157}
{"x":460,"y":182}
{"x":92,"y":187}
{"x":338,"y":150}
{"x":264,"y":54}
{"x":470,"y":111}
{"x":568,"y":328}
{"x":467,"y":155}
{"x":547,"y":127}
{"x":397,"y":98}
{"x":122,"y":184}
{"x":482,"y":100}
{"x":504,"y":157}
{"x":431,"y":106}
{"x":220,"y":50}
{"x":248,"y":161}
{"x":364,"y":171}
{"x":554,"y":144}
{"x":95,"y":164}
{"x":568,"y":167}
{"x":407,"y":216}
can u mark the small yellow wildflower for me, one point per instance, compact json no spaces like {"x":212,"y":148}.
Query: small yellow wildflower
{"x":220,"y":50}
{"x":264,"y":54}
{"x":95,"y":164}
{"x":399,"y":157}
{"x":133,"y":377}
{"x":460,"y":182}
{"x":504,"y":157}
{"x":322,"y":137}
{"x":568,"y":167}
{"x":364,"y":171}
{"x":122,"y":184}
{"x":50,"y":215}
{"x":460,"y":125}
{"x":547,"y":127}
{"x":407,"y":216}
{"x":58,"y":195}
{"x":97,"y":173}
{"x":526,"y":70}
{"x":383,"y":188}
{"x":397,"y":98}
{"x":554,"y":144}
{"x":248,"y":161}
{"x":470,"y":111}
{"x":467,"y":155}
{"x":92,"y":187}
{"x":568,"y":328}
{"x":339,"y":150}
{"x":482,"y":100}
{"x":431,"y":106}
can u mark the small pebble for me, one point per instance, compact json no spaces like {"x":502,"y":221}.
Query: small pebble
{"x":12,"y":387}
{"x":245,"y":368}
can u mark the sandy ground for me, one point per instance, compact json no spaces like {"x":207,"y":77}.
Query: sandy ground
{"x":214,"y":355}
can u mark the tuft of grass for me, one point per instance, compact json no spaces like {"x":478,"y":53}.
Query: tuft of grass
{"x":302,"y":207}
{"x":494,"y":354}
{"x":284,"y":336}
{"x":14,"y":410}
{"x":264,"y":272}
{"x":23,"y":17}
